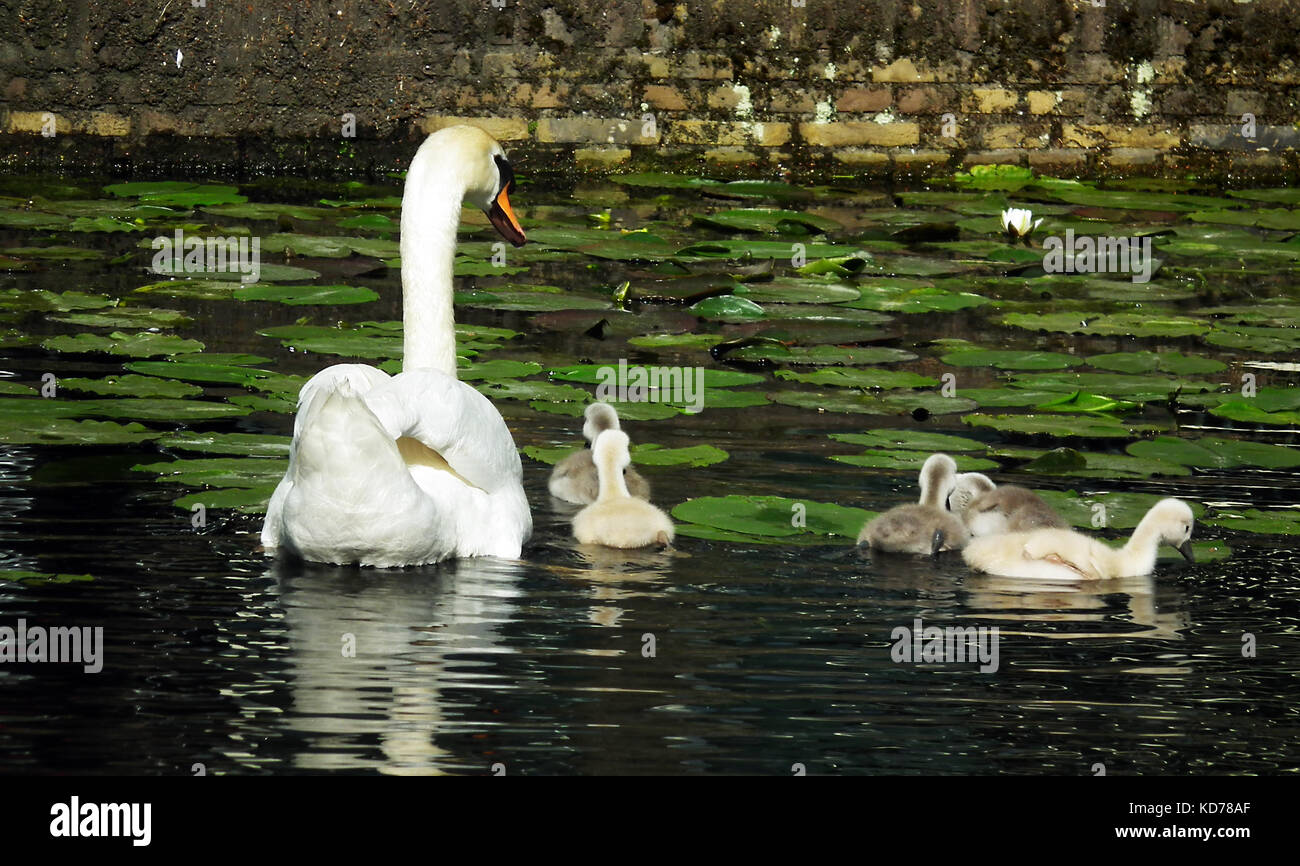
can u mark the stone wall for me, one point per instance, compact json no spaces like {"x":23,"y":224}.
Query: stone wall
{"x":731,"y":87}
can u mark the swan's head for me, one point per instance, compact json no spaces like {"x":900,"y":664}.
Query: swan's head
{"x":600,"y":417}
{"x":937,"y":475}
{"x":610,"y":452}
{"x":966,"y":488}
{"x":1173,"y":519}
{"x":482,"y":166}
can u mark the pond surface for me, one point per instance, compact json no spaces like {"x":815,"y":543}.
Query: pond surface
{"x":762,"y":641}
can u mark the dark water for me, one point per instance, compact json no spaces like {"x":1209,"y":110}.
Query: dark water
{"x":764,"y":656}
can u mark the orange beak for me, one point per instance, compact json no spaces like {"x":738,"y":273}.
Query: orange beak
{"x":503,"y":219}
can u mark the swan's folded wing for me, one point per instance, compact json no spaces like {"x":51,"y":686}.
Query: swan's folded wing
{"x":454,"y":420}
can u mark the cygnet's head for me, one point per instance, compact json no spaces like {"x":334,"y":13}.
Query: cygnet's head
{"x":610,"y":450}
{"x":937,"y":476}
{"x":477,"y":160}
{"x":966,"y":488}
{"x":600,"y":417}
{"x":1173,"y":519}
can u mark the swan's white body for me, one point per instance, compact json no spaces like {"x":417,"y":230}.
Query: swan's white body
{"x":418,"y":467}
{"x":616,"y":518}
{"x":990,"y":509}
{"x":575,"y":479}
{"x":1063,"y":554}
{"x":926,"y":527}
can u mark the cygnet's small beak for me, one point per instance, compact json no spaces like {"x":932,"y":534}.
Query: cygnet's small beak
{"x":936,"y":544}
{"x":1186,"y":550}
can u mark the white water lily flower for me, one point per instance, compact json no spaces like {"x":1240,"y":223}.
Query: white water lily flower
{"x":1019,"y":222}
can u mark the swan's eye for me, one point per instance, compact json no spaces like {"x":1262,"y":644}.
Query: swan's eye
{"x":507,"y":174}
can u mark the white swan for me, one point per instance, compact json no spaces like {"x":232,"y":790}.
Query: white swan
{"x":574,"y":479}
{"x":417,"y":467}
{"x":616,"y":518}
{"x":990,"y":509}
{"x":1063,"y":554}
{"x":926,"y":527}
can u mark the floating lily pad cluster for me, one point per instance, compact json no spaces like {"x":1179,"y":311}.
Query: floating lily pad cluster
{"x":830,"y":304}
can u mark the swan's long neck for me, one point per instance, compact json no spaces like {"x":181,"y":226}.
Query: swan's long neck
{"x":612,"y":485}
{"x":430,"y":213}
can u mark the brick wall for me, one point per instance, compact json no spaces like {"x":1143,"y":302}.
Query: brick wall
{"x":745,"y":87}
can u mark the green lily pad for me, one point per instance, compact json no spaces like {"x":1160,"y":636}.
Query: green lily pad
{"x":1112,"y":324}
{"x":265,"y":211}
{"x":856,"y":377}
{"x":1122,"y":510}
{"x":141,"y":345}
{"x":728,"y":308}
{"x":1009,"y":360}
{"x":771,"y":221}
{"x":223,"y":374}
{"x":131,"y":386}
{"x":912,"y":460}
{"x":360,"y":342}
{"x":772,"y":516}
{"x":247,"y":500}
{"x":328,"y":247}
{"x":127,"y":317}
{"x":789,"y":290}
{"x":1272,"y":522}
{"x":41,"y":578}
{"x":910,"y":440}
{"x":45,"y":301}
{"x":598,"y":373}
{"x":994,"y":177}
{"x":627,"y":411}
{"x":695,"y":456}
{"x":1215,"y":453}
{"x":1265,"y":218}
{"x":1062,"y":425}
{"x":218,"y":471}
{"x":498,"y":369}
{"x":1006,"y":398}
{"x":65,"y":431}
{"x":1250,"y":413}
{"x":538,"y":301}
{"x":531,"y":389}
{"x":307,"y":295}
{"x":739,"y":249}
{"x":160,"y":409}
{"x":243,"y":444}
{"x":176,"y":193}
{"x":823,"y":355}
{"x":676,"y":341}
{"x":910,"y":298}
{"x":1255,"y":339}
{"x":1078,"y":401}
{"x":1127,"y":387}
{"x":549,"y":456}
{"x":1088,"y":464}
{"x":1151,"y":362}
{"x":206,"y":290}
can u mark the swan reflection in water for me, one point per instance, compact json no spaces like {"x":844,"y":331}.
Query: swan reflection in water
{"x":617,"y":577}
{"x":373,"y":652}
{"x":1111,"y":604}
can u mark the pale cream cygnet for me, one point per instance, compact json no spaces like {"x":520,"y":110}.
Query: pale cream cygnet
{"x":616,"y":518}
{"x":1063,"y":554}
